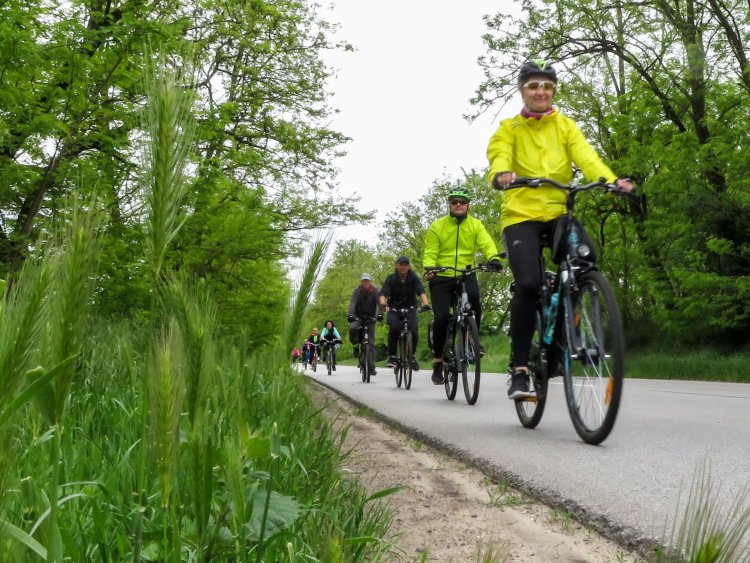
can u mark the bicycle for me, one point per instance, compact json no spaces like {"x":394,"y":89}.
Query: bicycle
{"x":329,"y":348}
{"x":366,"y":348}
{"x":314,"y":355}
{"x":405,"y":358}
{"x":462,"y":352}
{"x":578,"y":329}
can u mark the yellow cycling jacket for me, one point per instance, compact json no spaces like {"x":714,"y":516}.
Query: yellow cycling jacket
{"x":453,"y":243}
{"x":541,"y":148}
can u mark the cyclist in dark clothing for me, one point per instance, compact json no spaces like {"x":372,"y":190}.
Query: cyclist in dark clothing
{"x":363,"y":305}
{"x":400,"y":290}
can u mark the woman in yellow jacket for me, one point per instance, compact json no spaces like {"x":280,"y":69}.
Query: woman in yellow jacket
{"x":453,"y":240}
{"x":538,"y":142}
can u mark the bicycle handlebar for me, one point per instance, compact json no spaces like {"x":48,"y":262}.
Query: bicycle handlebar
{"x":407,"y":310}
{"x":536,"y":182}
{"x":467,"y":270}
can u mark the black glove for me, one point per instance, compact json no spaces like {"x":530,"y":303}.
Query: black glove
{"x":424,"y":308}
{"x":380,"y":316}
{"x":496,"y":265}
{"x":351,"y":318}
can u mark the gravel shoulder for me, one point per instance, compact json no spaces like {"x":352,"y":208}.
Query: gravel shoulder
{"x":451,"y":512}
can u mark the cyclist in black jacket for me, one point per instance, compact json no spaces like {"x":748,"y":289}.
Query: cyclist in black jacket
{"x":401,"y":290}
{"x":363,"y":305}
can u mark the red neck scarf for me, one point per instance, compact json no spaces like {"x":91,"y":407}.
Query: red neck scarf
{"x":526,"y":113}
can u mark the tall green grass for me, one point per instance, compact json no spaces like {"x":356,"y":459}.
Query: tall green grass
{"x":164,"y":441}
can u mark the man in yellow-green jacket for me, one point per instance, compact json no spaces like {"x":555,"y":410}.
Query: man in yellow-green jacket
{"x":539,"y":142}
{"x":453,"y":240}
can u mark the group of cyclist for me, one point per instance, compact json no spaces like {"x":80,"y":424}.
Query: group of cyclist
{"x":538,"y":142}
{"x":328,"y":339}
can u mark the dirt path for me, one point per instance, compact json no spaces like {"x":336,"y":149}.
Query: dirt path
{"x":453,"y":513}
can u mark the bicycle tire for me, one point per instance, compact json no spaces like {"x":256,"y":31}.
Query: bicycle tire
{"x":594,"y":379}
{"x":470,"y":360}
{"x":531,"y":409}
{"x":408,"y":359}
{"x":314,"y":364}
{"x":329,"y":361}
{"x":363,"y":367}
{"x":399,"y":369}
{"x":369,"y":359}
{"x":450,"y":373}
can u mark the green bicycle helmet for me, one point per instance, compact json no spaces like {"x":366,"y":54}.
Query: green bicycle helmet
{"x":459,"y":192}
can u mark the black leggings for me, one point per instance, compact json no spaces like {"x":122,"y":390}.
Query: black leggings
{"x":523,"y":243}
{"x":442,"y":290}
{"x":395,"y":324}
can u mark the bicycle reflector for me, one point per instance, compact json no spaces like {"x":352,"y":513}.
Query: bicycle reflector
{"x":583,"y":250}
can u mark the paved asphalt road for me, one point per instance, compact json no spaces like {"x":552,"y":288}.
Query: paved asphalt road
{"x":630,"y":484}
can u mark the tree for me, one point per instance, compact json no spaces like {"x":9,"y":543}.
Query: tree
{"x":261,"y":172}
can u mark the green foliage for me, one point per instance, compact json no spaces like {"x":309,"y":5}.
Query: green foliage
{"x":260,"y":170}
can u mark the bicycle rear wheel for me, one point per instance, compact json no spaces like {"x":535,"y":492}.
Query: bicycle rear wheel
{"x":531,"y":409}
{"x":407,"y":360}
{"x":594,"y":363}
{"x":450,"y":373}
{"x":470,"y":360}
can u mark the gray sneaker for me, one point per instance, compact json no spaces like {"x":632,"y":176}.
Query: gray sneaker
{"x":392,"y":362}
{"x":519,"y":386}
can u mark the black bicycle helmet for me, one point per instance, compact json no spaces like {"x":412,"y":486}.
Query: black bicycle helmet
{"x":536,"y":67}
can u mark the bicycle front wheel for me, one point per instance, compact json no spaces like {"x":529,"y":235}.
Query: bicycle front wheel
{"x":363,"y":366}
{"x":470,"y":360}
{"x":450,"y":373}
{"x":329,"y":361}
{"x":594,"y":362}
{"x":369,"y":359}
{"x":399,"y":369}
{"x":531,"y":409}
{"x":407,"y":361}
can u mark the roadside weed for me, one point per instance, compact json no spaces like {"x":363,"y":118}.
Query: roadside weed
{"x":562,"y":518}
{"x":709,"y":532}
{"x":502,"y":494}
{"x":489,"y":550}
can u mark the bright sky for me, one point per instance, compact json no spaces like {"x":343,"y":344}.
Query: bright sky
{"x":402,"y":95}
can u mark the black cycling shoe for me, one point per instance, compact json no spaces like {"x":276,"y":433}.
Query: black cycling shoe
{"x":392,"y":362}
{"x":437,"y":374}
{"x":414,"y":365}
{"x":519,"y":386}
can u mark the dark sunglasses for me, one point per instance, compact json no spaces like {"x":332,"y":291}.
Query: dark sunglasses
{"x":459,"y":202}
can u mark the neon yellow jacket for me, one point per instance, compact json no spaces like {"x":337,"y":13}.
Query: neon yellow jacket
{"x":541,"y":148}
{"x":450,"y":243}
